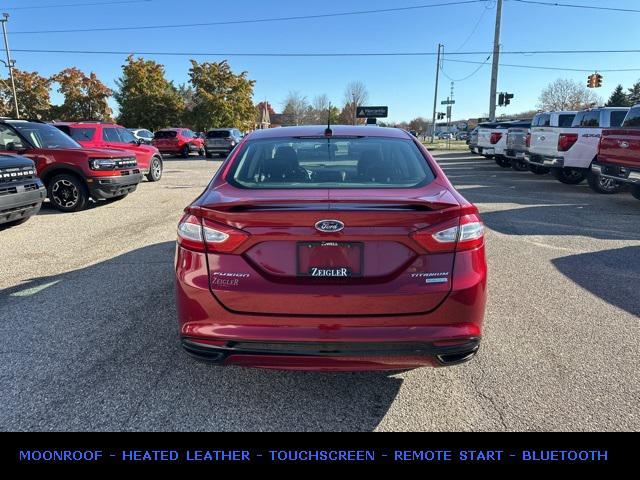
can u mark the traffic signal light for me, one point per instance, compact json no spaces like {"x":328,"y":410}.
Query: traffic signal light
{"x":594,"y":80}
{"x":504,"y":99}
{"x":440,"y":115}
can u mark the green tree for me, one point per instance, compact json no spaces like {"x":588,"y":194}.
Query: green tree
{"x":222,"y":98}
{"x":618,"y":98}
{"x":634,"y":94}
{"x":85,"y":97}
{"x":32,"y":90}
{"x":146,"y":98}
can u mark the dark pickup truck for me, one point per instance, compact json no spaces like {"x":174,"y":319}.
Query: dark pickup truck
{"x":21,"y":191}
{"x":619,"y":153}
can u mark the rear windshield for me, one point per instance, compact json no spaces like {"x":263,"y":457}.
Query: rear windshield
{"x":542,"y":120}
{"x":362,"y":162}
{"x":617,"y":117}
{"x":218,"y":134}
{"x":165,"y":134}
{"x":566,"y":119}
{"x":589,"y":118}
{"x":633,"y":118}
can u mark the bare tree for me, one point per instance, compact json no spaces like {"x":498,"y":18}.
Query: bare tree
{"x":567,"y":95}
{"x":296,"y":105}
{"x":355,"y":95}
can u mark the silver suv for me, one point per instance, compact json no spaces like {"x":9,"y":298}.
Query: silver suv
{"x":221,"y":141}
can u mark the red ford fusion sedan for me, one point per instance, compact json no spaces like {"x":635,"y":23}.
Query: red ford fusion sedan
{"x":341,"y":248}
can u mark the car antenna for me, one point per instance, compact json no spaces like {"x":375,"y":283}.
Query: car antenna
{"x":328,"y":132}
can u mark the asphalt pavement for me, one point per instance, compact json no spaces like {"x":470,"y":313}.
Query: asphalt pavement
{"x":89,"y":336}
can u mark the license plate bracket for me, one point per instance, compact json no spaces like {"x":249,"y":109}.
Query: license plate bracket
{"x":329,"y":259}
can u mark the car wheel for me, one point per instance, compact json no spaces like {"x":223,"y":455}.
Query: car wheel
{"x":202,"y":152}
{"x":502,"y":161}
{"x":185,"y":151}
{"x":520,"y":165}
{"x":600,"y":184}
{"x":569,"y":176}
{"x":539,"y":170}
{"x":68,"y":193}
{"x":635,"y":191}
{"x":155,"y":170}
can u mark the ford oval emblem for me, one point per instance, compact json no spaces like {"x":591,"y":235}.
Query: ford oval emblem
{"x":329,"y":226}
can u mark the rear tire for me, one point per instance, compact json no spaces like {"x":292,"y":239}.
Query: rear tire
{"x":68,"y":193}
{"x":538,"y":170}
{"x":635,"y":191}
{"x":185,"y":151}
{"x":603,"y":185}
{"x":155,"y":170}
{"x":520,"y":165}
{"x":202,"y":152}
{"x":569,"y":176}
{"x":502,"y":161}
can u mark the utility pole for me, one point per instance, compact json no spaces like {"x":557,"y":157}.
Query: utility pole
{"x":435,"y":96}
{"x":9,"y":63}
{"x":496,"y":59}
{"x":355,"y":109}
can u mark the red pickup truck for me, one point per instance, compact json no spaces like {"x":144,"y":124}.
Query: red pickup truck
{"x":619,"y":153}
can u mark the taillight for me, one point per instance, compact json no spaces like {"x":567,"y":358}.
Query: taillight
{"x":455,"y":235}
{"x":527,"y":140}
{"x":205,"y":235}
{"x":495,"y":138}
{"x":566,"y":141}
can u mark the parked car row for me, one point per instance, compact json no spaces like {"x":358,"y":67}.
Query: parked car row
{"x":73,"y":163}
{"x":599,"y":145}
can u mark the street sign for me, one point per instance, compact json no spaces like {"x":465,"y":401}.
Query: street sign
{"x":448,"y":102}
{"x":372,"y":112}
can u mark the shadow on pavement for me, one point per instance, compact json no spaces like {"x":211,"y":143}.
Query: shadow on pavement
{"x":97,"y":349}
{"x":563,"y":220}
{"x":613,"y":275}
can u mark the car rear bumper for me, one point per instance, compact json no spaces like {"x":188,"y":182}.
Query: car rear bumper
{"x":22,"y":204}
{"x":617,"y":172}
{"x":447,"y":335}
{"x":333,"y":355}
{"x":115,"y":186}
{"x":515,"y":154}
{"x":544,"y":161}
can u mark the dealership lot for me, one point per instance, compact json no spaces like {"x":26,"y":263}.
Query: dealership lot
{"x":89,"y":336}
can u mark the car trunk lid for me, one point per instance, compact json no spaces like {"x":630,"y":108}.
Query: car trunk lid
{"x":371,"y":266}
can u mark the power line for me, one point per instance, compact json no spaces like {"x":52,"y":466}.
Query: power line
{"x":318,"y":54}
{"x":256,"y":20}
{"x":480,"y":65}
{"x":537,"y":67}
{"x":572,"y":5}
{"x":64,"y":5}
{"x":475,"y":28}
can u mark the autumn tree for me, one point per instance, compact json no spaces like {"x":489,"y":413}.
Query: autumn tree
{"x":355,"y":95}
{"x":567,"y":95}
{"x":85,"y":97}
{"x":618,"y":98}
{"x":222,"y":98}
{"x":146,"y":98}
{"x":32,"y":90}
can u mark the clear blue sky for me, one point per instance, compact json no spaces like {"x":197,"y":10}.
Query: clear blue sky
{"x":405,"y":84}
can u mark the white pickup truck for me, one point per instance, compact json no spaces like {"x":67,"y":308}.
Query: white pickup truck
{"x":492,"y":142}
{"x":570,"y":151}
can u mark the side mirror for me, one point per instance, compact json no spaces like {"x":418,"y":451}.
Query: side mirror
{"x":14,"y":147}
